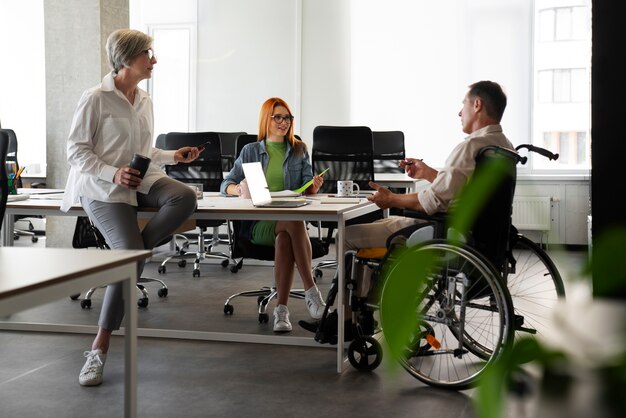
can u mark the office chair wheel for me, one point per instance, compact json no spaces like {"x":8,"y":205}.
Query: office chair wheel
{"x":75,"y":296}
{"x":162,"y":292}
{"x":182,"y":263}
{"x":228,"y":309}
{"x":142,"y":302}
{"x":318,"y":273}
{"x":264,"y":318}
{"x":161,"y":269}
{"x":85,"y":303}
{"x":196,"y":272}
{"x":224,"y":263}
{"x":365,"y":353}
{"x":16,"y":237}
{"x":34,"y":238}
{"x":260,"y":299}
{"x":234,"y":269}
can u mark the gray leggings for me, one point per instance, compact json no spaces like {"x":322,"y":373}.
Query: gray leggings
{"x":118,"y":224}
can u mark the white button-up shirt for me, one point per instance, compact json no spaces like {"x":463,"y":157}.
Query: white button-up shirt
{"x":106,"y":131}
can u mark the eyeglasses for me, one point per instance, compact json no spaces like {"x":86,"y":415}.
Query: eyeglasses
{"x":149,"y":53}
{"x":282,"y":118}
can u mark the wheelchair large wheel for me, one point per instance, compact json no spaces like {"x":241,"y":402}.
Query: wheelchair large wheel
{"x":463,"y":314}
{"x":535,"y":287}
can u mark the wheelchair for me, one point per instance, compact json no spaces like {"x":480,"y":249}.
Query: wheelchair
{"x":451,"y":299}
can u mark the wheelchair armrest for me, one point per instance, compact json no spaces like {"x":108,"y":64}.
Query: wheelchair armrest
{"x":438,"y":220}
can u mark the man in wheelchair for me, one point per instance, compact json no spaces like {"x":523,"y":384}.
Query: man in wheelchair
{"x":483,"y":107}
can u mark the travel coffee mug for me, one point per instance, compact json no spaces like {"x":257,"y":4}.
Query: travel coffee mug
{"x":141,"y":163}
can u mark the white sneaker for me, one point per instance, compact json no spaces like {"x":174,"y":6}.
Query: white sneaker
{"x":91,"y":373}
{"x":314,"y":302}
{"x":281,"y":319}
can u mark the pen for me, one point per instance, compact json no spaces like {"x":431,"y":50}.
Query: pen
{"x":19,"y":173}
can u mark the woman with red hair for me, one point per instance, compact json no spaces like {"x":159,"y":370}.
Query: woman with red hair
{"x":287,"y":166}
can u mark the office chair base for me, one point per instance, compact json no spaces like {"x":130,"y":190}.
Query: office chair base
{"x":142,"y":301}
{"x":264,"y":295}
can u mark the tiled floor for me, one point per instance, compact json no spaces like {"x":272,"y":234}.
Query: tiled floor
{"x":38,"y":372}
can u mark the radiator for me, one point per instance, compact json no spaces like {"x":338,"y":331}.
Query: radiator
{"x":532,"y":213}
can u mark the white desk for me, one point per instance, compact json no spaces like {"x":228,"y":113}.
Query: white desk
{"x":400,"y":180}
{"x":61,"y":272}
{"x":213,"y":206}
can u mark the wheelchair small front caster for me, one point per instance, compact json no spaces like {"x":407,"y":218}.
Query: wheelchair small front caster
{"x":365,"y":353}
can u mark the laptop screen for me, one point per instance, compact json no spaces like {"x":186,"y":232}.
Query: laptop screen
{"x":257,"y":184}
{"x":260,"y":193}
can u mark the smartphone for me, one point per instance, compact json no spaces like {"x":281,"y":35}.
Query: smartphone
{"x":200,"y":147}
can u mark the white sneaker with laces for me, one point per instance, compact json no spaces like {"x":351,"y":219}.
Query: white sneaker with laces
{"x":91,"y":373}
{"x":314,"y":302}
{"x":281,"y":319}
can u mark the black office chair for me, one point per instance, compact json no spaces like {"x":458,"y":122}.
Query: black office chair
{"x":205,"y":170}
{"x":388,"y":151}
{"x":228,"y":141}
{"x":86,"y":235}
{"x":348,"y":153}
{"x":11,"y":157}
{"x":4,"y":178}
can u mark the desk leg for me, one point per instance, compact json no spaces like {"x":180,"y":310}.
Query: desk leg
{"x":7,"y":230}
{"x":341,"y":224}
{"x":130,"y":343}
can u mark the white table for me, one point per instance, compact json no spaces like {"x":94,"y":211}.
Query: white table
{"x":400,"y":180}
{"x":61,"y":272}
{"x":215,"y":207}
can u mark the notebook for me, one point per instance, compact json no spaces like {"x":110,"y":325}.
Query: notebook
{"x":260,"y":193}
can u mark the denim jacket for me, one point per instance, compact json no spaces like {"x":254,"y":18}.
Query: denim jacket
{"x":297,"y":169}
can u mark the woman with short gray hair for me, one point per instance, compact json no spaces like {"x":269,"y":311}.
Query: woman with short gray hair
{"x":113,"y":121}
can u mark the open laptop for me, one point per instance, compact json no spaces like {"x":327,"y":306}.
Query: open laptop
{"x":260,"y":193}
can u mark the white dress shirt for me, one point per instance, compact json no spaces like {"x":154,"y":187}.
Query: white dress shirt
{"x":106,"y":131}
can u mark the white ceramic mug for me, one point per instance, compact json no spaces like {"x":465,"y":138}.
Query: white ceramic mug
{"x":347,"y":188}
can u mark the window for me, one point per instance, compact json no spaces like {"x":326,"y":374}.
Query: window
{"x":23,"y":80}
{"x":172,"y":87}
{"x":562,"y":23}
{"x":562,"y":85}
{"x":562,"y":79}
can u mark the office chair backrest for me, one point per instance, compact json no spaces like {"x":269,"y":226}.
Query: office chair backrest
{"x":242,"y":141}
{"x":207,"y":168}
{"x":388,"y":151}
{"x":12,"y":152}
{"x":4,"y":178}
{"x":347,"y":151}
{"x":490,"y":230}
{"x":228,"y":140}
{"x":160,"y":141}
